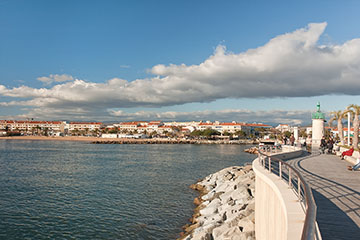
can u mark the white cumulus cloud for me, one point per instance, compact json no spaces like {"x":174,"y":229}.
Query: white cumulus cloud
{"x":289,"y":65}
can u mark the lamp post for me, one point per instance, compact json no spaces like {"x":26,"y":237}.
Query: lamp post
{"x":348,"y":128}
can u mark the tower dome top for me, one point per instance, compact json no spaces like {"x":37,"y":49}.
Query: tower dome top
{"x":318,"y":114}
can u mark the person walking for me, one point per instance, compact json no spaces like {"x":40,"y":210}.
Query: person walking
{"x":323,"y":145}
{"x":330,"y":145}
{"x":292,"y":140}
{"x":285,"y":140}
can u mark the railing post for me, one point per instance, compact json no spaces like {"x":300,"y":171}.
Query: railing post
{"x":269,"y":164}
{"x":290,"y":177}
{"x":299,"y":184}
{"x":280,"y":170}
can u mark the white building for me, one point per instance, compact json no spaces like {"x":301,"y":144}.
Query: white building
{"x":227,"y":127}
{"x":28,"y":126}
{"x":84,"y":126}
{"x":163,"y":129}
{"x":182,"y":124}
{"x":205,"y":125}
{"x":128,"y":126}
{"x":231,"y":127}
{"x":283,"y":128}
{"x":153,"y":126}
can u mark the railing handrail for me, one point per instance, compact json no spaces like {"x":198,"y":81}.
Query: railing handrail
{"x":309,"y":228}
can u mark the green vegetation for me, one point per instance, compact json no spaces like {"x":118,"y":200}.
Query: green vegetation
{"x":339,"y":115}
{"x":241,"y":134}
{"x":355,"y":111}
{"x":208,"y":133}
{"x":287,"y":134}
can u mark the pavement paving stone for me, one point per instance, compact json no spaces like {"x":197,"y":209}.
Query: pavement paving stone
{"x":336,"y":192}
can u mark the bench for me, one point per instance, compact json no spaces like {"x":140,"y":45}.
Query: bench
{"x":351,"y":159}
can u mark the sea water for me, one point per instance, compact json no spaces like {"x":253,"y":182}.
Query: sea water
{"x":79,"y":190}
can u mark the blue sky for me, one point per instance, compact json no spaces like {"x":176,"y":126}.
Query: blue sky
{"x":201,"y":60}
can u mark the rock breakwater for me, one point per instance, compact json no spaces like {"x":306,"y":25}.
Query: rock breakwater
{"x":226,"y":206}
{"x":253,"y":150}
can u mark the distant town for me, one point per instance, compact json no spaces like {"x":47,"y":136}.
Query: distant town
{"x":155,"y":129}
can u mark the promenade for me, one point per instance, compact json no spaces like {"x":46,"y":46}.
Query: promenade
{"x":337,"y":194}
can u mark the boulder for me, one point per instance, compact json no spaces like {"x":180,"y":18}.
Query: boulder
{"x":225,"y":207}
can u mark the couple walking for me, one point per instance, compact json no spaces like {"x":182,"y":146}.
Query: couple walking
{"x":329,"y":144}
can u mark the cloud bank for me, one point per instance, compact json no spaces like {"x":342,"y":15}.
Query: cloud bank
{"x":289,"y":65}
{"x":270,"y":117}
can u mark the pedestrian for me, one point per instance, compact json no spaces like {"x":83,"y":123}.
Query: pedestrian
{"x":292,"y":140}
{"x":330,"y":145}
{"x":323,"y":144}
{"x":285,"y":140}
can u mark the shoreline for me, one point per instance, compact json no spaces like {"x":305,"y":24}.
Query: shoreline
{"x":44,"y":138}
{"x":97,"y":140}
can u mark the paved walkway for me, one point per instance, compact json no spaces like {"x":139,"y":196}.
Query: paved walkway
{"x":337,"y":194}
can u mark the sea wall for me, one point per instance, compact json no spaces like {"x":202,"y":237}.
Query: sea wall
{"x":279,"y":214}
{"x":225,"y":207}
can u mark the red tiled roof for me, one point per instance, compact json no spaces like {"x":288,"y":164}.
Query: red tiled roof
{"x":256,"y":125}
{"x":231,"y":124}
{"x":153,"y":123}
{"x":205,"y":124}
{"x":30,"y":122}
{"x":88,"y":123}
{"x":344,"y":129}
{"x":128,"y":123}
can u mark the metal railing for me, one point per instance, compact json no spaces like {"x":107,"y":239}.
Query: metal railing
{"x":301,"y":189}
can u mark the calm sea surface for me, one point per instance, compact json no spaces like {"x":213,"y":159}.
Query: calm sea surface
{"x":77,"y":190}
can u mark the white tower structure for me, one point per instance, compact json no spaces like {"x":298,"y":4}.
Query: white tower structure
{"x":296,"y":134}
{"x":318,"y":119}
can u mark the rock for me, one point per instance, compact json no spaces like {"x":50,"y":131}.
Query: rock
{"x":225,"y":207}
{"x":197,"y":201}
{"x":191,"y":227}
{"x":209,"y":195}
{"x":252,"y":150}
{"x":233,"y":233}
{"x":197,"y":187}
{"x":218,"y":231}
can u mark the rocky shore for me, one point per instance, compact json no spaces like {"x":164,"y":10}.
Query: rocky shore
{"x":226,"y":206}
{"x":98,"y":140}
{"x":252,"y":150}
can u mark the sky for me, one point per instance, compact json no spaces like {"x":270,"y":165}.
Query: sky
{"x":113,"y":61}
